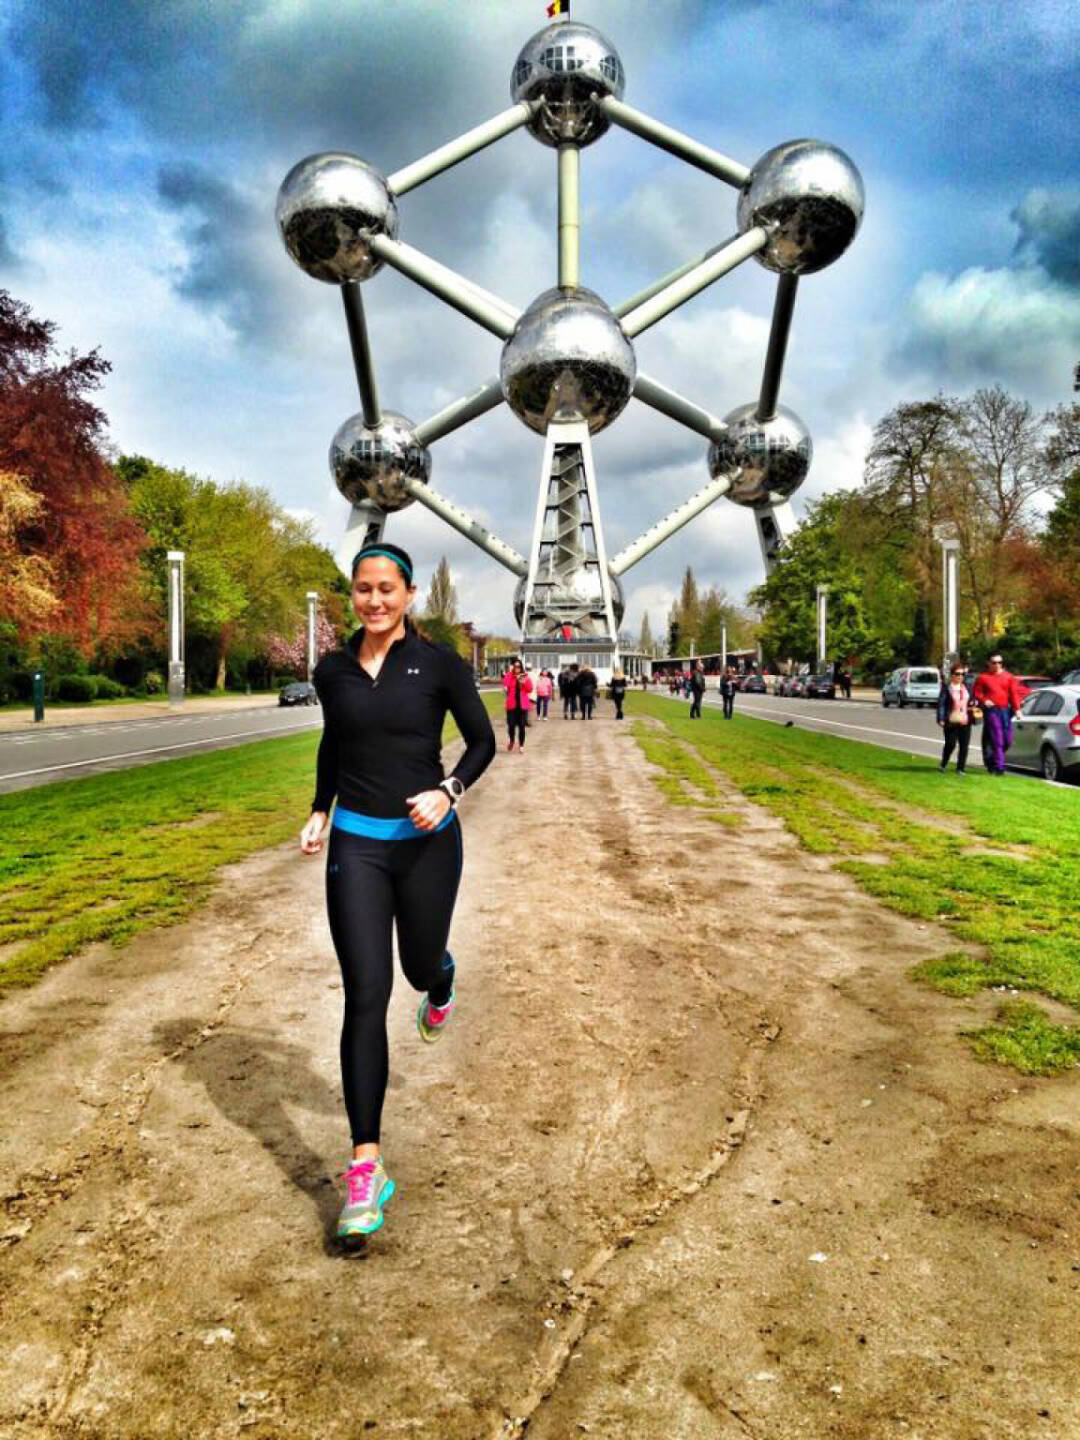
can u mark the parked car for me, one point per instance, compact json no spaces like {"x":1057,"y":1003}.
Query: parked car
{"x":1028,"y":683}
{"x":821,"y":687}
{"x":1072,"y":678}
{"x":912,"y":685}
{"x":1046,"y":733}
{"x":300,"y":693}
{"x":795,"y":685}
{"x":755,"y":685}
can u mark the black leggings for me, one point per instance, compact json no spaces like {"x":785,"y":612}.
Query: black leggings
{"x":729,"y":706}
{"x":958,"y":738}
{"x":515,"y":720}
{"x":370,"y":886}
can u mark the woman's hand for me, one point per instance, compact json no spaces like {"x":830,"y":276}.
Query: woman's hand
{"x":311,"y":837}
{"x":428,"y":809}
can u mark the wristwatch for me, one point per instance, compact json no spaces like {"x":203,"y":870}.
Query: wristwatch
{"x":453,"y":788}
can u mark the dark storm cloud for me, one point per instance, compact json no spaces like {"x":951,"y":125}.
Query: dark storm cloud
{"x":223,"y":231}
{"x":1050,"y":233}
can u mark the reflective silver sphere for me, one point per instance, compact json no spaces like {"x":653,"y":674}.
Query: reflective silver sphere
{"x":567,"y":359}
{"x":372,"y":464}
{"x":570,"y":596}
{"x":327,"y":209}
{"x":564,"y":66}
{"x":766,"y":460}
{"x":813,"y":194}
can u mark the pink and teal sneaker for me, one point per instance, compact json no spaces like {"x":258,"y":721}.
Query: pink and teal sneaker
{"x":367,"y":1189}
{"x":432,"y":1020}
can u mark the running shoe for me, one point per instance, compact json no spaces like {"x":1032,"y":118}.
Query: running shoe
{"x":367,"y":1189}
{"x":432,"y":1020}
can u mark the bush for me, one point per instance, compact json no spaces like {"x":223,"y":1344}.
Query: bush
{"x":76,"y":687}
{"x":107,"y":688}
{"x":153,"y":682}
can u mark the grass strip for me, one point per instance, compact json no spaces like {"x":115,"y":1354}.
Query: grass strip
{"x":109,"y":856}
{"x":995,"y":861}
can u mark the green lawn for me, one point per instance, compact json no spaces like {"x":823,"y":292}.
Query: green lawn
{"x":106,"y":857}
{"x":995,"y":862}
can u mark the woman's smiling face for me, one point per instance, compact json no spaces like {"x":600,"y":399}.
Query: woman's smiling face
{"x":381,"y":596}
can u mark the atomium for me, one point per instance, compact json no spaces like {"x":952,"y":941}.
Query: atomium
{"x":568,"y":366}
{"x":567,"y":360}
{"x":328,"y":208}
{"x":810,"y":196}
{"x":372,"y":463}
{"x":765,"y":460}
{"x":571,"y":594}
{"x":563,"y":67}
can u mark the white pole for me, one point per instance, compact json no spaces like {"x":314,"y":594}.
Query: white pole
{"x":723,"y":648}
{"x":460,"y":149}
{"x":694,"y":281}
{"x":665,"y":528}
{"x":949,"y":548}
{"x":674,"y":142}
{"x":822,"y":622}
{"x":175,"y":560}
{"x":486,"y":309}
{"x":312,"y":607}
{"x":569,"y":218}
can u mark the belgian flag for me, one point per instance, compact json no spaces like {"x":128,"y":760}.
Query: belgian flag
{"x":558,"y":7}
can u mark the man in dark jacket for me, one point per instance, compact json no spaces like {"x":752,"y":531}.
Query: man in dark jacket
{"x":586,"y":690}
{"x":697,"y":690}
{"x":568,"y":689}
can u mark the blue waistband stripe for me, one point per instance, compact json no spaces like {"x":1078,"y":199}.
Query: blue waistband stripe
{"x":377,"y":828}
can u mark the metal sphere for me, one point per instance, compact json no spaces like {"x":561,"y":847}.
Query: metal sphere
{"x":766,"y":460}
{"x":576,"y":591}
{"x":372,"y":464}
{"x":813,"y":195}
{"x":567,"y":359}
{"x":564,"y":66}
{"x":328,"y":208}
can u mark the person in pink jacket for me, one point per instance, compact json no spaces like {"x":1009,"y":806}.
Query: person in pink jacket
{"x":544,"y":688}
{"x":518,"y":687}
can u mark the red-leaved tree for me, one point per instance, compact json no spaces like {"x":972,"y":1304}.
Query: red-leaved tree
{"x":53,"y":436}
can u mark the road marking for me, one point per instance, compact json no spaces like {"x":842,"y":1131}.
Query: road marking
{"x":839,"y":724}
{"x":135,"y":754}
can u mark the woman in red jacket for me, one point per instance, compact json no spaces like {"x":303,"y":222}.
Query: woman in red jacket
{"x":518,"y":687}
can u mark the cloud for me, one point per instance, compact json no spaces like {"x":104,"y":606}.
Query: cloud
{"x":1017,"y":324}
{"x":1050,"y":233}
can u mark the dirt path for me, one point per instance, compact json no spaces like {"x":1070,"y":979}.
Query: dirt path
{"x":697,"y":1160}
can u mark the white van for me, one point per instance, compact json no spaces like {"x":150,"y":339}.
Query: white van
{"x":913,"y":685}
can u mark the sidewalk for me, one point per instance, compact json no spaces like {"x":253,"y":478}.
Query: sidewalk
{"x":59,"y":717}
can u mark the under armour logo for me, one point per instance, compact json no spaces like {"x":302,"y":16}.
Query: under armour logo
{"x":411,"y":672}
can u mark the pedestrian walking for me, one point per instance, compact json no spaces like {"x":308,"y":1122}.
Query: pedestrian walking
{"x":727,"y":692}
{"x":998,"y":693}
{"x":543,"y":694}
{"x":955,"y":715}
{"x":394,"y":851}
{"x":568,"y":689}
{"x":586,"y":687}
{"x":618,"y":691}
{"x":697,"y":690}
{"x":518,"y":686}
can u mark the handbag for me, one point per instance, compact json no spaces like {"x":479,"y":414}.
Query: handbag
{"x":976,"y":714}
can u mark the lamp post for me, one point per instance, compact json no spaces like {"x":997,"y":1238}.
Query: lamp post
{"x":312,"y":609}
{"x":175,"y":560}
{"x":950,"y":546}
{"x":822,"y":593}
{"x":723,"y":648}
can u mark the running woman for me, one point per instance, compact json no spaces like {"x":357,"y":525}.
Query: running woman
{"x":394,"y":854}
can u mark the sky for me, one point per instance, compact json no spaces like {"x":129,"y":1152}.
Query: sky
{"x":142,"y":144}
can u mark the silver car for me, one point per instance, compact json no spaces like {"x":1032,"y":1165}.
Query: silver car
{"x":913,"y":685}
{"x":1046,"y":733}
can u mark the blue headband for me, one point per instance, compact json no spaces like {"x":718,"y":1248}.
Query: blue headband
{"x":371,"y":550}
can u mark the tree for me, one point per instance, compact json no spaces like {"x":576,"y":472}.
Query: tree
{"x":442,"y":595}
{"x":248,"y":565}
{"x":817,"y":553}
{"x":52,"y":436}
{"x":646,"y":643}
{"x":27,"y":590}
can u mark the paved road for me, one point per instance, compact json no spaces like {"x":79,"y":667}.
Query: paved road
{"x":29,"y":757}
